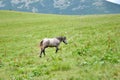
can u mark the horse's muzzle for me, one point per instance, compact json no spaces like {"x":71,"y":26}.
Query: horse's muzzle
{"x":66,"y":43}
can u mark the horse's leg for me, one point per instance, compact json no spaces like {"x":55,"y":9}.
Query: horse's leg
{"x":57,"y":49}
{"x":41,"y":52}
{"x":44,"y":52}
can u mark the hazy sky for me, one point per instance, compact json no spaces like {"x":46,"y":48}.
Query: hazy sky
{"x":114,"y":1}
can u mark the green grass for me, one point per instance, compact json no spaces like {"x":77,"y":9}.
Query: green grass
{"x":92,"y":53}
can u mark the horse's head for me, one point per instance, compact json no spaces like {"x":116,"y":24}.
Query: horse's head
{"x":64,"y":40}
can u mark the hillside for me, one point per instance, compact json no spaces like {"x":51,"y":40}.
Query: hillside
{"x":92,"y":53}
{"x":71,"y":7}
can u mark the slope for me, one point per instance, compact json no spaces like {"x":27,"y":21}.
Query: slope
{"x":92,"y":51}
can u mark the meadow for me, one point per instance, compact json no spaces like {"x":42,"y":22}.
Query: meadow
{"x":92,"y":52}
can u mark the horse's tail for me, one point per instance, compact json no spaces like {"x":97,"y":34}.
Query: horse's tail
{"x":41,"y":43}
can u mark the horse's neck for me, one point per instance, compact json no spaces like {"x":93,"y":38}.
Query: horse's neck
{"x":60,"y":39}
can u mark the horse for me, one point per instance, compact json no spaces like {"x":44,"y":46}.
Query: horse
{"x":51,"y":42}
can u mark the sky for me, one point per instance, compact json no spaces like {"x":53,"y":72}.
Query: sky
{"x":114,"y":1}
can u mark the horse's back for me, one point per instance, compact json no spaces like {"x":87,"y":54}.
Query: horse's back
{"x":51,"y":42}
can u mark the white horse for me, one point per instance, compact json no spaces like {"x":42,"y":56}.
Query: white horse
{"x":51,"y":42}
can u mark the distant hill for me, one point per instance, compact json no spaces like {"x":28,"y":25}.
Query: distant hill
{"x":75,"y":7}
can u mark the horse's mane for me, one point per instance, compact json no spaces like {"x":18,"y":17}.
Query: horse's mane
{"x":60,"y":38}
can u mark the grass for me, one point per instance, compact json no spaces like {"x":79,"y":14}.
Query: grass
{"x":92,"y":53}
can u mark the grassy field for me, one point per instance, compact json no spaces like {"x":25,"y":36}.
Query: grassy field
{"x":92,"y":53}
